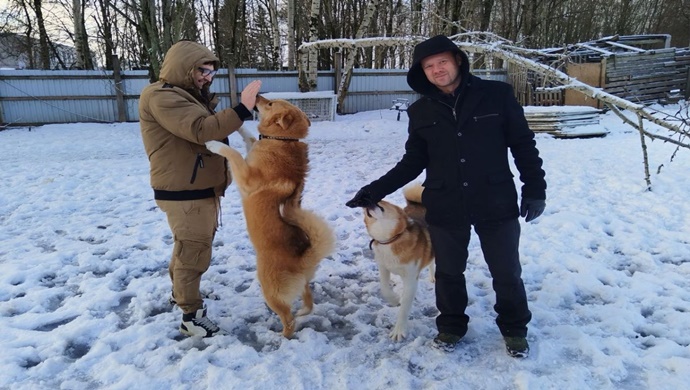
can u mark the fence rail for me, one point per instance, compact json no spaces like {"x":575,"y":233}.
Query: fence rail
{"x":36,"y":97}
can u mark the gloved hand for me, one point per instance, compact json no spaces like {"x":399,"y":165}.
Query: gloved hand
{"x":531,"y":209}
{"x":363,"y":198}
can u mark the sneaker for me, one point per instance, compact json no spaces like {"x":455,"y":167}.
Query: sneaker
{"x":197,"y":324}
{"x":446,"y":341}
{"x":517,"y":347}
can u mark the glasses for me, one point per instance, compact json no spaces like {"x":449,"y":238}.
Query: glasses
{"x":207,"y":72}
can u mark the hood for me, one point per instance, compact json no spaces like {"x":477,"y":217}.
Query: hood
{"x":416,"y":78}
{"x":181,"y":59}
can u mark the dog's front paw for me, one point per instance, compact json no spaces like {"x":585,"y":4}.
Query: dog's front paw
{"x":390,"y":297}
{"x":398,"y":333}
{"x":215,"y":146}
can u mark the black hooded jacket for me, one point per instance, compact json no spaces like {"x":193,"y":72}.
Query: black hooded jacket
{"x":462,"y":141}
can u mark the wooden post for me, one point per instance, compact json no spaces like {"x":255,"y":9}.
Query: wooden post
{"x":232,"y":82}
{"x":338,"y":70}
{"x":119,"y":90}
{"x":602,"y":79}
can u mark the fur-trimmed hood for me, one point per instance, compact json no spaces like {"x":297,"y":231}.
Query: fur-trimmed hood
{"x":182,"y":59}
{"x":416,"y":78}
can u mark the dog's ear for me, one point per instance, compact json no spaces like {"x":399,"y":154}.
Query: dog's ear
{"x":285,"y":120}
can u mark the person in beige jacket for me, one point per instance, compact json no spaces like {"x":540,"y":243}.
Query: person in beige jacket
{"x":177,"y":117}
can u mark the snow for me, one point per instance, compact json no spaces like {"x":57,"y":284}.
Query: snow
{"x":84,"y":282}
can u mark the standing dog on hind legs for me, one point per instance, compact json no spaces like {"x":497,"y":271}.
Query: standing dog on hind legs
{"x":401,"y":245}
{"x":289,"y":241}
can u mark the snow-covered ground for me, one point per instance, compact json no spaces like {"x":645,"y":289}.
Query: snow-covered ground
{"x":84,"y":284}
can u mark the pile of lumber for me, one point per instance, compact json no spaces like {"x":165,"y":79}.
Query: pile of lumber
{"x":565,"y":121}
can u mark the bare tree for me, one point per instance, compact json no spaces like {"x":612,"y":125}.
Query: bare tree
{"x":291,"y":34}
{"x":309,"y":60}
{"x":232,"y":32}
{"x":104,"y":21}
{"x":81,"y":38}
{"x":43,"y":40}
{"x":274,"y":29}
{"x":352,"y":53}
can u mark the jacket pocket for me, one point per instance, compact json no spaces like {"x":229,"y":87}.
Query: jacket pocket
{"x":199,"y":163}
{"x":432,"y":191}
{"x":424,"y":124}
{"x":485,"y":117}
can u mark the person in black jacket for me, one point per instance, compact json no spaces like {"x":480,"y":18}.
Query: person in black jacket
{"x":460,"y":131}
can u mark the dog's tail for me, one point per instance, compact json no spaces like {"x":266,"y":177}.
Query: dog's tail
{"x":413,"y":193}
{"x":320,"y":234}
{"x":414,"y":208}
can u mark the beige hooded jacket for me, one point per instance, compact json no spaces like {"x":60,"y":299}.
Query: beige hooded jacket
{"x":175,"y":126}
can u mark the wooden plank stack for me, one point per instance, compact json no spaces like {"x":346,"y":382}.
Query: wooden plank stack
{"x":565,"y":121}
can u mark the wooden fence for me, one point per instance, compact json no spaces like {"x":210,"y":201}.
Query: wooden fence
{"x":641,"y":77}
{"x":647,"y":76}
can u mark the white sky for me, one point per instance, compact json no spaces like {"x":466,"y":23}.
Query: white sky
{"x":84,"y":285}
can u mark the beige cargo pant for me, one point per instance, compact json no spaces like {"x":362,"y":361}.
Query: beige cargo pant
{"x":193,"y":224}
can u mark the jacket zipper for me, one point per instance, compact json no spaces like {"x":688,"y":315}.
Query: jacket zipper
{"x":198,"y":164}
{"x":455,"y":115}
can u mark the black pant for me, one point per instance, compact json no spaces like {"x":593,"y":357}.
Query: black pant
{"x":499,"y":242}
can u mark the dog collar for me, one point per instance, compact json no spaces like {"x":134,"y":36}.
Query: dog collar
{"x":286,"y":139}
{"x":384,"y":242}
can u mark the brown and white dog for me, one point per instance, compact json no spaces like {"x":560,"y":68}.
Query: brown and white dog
{"x":401,"y":245}
{"x":289,"y":241}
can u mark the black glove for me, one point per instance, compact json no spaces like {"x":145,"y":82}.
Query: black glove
{"x":363,"y":198}
{"x":531,"y":209}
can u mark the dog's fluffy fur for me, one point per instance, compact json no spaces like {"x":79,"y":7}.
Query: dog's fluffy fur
{"x":247,"y":138}
{"x":401,"y":245}
{"x":289,"y":241}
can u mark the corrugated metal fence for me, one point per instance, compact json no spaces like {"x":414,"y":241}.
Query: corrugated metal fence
{"x":34,"y":97}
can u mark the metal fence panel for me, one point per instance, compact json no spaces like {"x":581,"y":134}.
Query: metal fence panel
{"x":34,"y":97}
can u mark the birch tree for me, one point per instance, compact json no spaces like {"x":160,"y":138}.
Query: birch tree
{"x":81,"y":38}
{"x":276,"y":57}
{"x":352,"y":53}
{"x":291,"y":34}
{"x":309,"y":59}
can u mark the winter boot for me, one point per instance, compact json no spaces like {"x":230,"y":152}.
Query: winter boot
{"x":446,"y":341}
{"x":517,"y":347}
{"x":197,"y":324}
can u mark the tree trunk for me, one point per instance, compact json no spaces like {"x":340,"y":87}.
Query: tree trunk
{"x":43,"y":42}
{"x":107,"y":34}
{"x":275,"y":32}
{"x":416,"y":16}
{"x":149,"y":36}
{"x":81,"y":39}
{"x":309,"y":60}
{"x":352,"y":53}
{"x":291,"y":29}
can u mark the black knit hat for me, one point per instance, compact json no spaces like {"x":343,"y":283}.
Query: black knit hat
{"x":416,"y":78}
